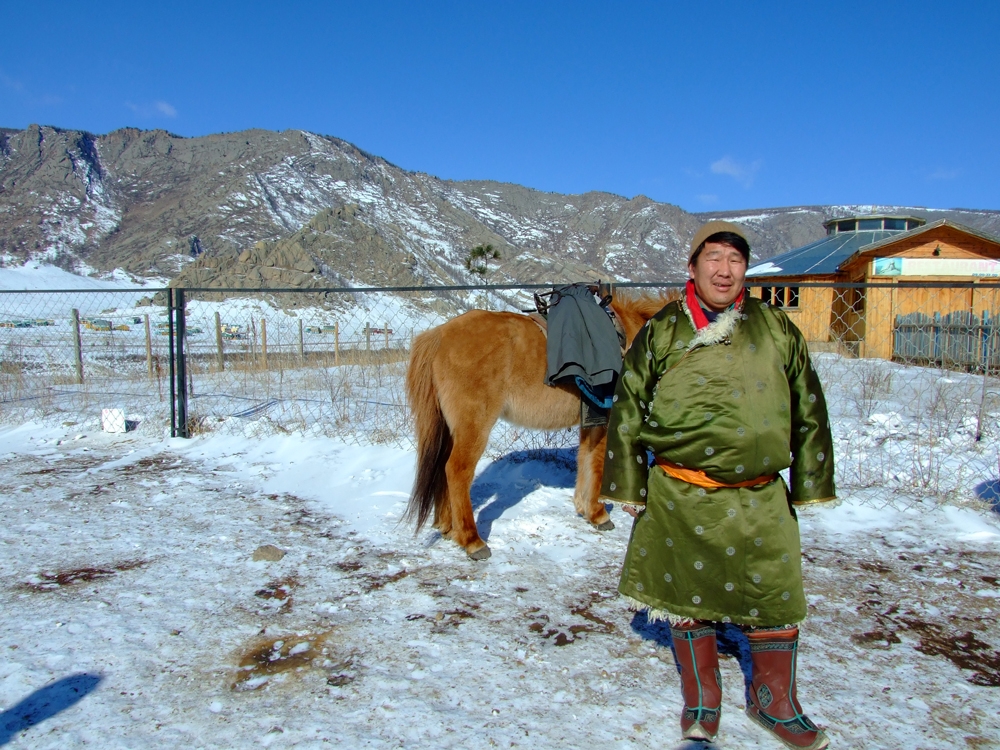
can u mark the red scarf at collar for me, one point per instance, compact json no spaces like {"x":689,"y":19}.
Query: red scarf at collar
{"x":697,"y":313}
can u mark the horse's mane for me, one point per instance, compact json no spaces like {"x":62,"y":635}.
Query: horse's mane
{"x":635,"y":308}
{"x":643,"y":304}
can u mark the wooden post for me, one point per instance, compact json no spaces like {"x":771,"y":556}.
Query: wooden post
{"x":253,"y":341}
{"x":386,"y":329}
{"x":220,"y":359}
{"x":77,"y":348}
{"x":302,"y":345}
{"x":336,"y":343}
{"x":149,"y":348}
{"x":263,"y":341}
{"x":368,"y":336}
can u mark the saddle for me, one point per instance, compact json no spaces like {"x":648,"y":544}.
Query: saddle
{"x":603,"y":292}
{"x":587,"y":345}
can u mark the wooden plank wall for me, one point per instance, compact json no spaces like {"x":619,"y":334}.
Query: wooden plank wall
{"x":865,"y":327}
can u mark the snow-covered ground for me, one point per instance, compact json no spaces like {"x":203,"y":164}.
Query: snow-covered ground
{"x":35,"y":276}
{"x":134,"y":615}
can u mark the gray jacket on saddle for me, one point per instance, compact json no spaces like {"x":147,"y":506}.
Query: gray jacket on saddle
{"x":583,"y":346}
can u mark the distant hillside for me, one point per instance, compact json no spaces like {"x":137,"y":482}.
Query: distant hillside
{"x":298,"y":209}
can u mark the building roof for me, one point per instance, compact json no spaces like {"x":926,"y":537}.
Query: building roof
{"x":826,"y":256}
{"x":879,"y":244}
{"x":822,"y":257}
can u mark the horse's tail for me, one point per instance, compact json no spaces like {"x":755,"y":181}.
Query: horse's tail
{"x":433,"y":436}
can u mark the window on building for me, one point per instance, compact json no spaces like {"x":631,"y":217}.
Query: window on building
{"x":869,"y":224}
{"x":910,"y":224}
{"x":895,"y":223}
{"x":792,"y":296}
{"x":847,"y":226}
{"x":765,"y":294}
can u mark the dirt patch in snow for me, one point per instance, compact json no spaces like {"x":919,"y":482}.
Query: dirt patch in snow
{"x":69,"y":577}
{"x":564,"y":635}
{"x":266,"y":657}
{"x":279,"y":591}
{"x":923,"y":601}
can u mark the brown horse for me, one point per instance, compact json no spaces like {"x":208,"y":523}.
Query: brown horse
{"x":477,"y":368}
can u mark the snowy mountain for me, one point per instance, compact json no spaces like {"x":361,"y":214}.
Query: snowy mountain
{"x":298,"y":209}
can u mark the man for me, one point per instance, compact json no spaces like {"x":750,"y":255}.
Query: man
{"x":719,"y":389}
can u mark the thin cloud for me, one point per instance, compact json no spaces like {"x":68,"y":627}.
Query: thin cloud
{"x":944,"y":174}
{"x":10,"y":83}
{"x":158,"y":108}
{"x":32,"y":98}
{"x":709,"y":199}
{"x":742,"y":173}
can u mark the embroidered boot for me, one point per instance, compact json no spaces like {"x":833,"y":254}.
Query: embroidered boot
{"x":773,"y":703}
{"x":698,"y":658}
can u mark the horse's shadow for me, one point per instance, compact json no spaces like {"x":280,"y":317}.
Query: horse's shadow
{"x":45,"y":703}
{"x":732,"y":642}
{"x":511,"y":478}
{"x":989,"y":491}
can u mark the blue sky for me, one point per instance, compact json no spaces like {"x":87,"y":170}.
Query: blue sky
{"x":709,"y":105}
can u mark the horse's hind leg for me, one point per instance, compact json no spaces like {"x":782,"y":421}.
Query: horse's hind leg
{"x":469,"y":444}
{"x":442,"y":516}
{"x":589,"y":473}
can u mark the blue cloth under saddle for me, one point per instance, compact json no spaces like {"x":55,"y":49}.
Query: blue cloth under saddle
{"x":600,"y":396}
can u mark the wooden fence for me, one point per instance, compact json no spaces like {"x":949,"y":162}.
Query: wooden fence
{"x":954,"y":339}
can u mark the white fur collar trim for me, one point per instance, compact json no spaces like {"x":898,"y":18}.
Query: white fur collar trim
{"x":715,"y":332}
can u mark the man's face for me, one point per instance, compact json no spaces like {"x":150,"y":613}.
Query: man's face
{"x":718,"y":274}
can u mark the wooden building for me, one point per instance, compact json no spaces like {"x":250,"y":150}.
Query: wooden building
{"x":898,"y":255}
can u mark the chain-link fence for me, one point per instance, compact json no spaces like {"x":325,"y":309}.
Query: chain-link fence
{"x":69,"y":353}
{"x":329,"y":363}
{"x":907,"y":368}
{"x":249,"y":362}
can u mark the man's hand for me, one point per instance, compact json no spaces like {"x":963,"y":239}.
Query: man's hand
{"x":631,"y":510}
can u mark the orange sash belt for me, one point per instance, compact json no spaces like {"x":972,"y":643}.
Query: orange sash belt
{"x":701,"y":479}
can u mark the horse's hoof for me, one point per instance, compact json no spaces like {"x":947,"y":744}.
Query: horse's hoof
{"x":482,"y":553}
{"x":606,"y":526}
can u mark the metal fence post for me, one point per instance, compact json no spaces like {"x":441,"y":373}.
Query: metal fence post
{"x":336,"y":343}
{"x":77,"y":348}
{"x":178,"y":366}
{"x":302,"y":346}
{"x":170,"y":362}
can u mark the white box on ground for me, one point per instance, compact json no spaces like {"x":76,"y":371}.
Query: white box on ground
{"x":113,"y":420}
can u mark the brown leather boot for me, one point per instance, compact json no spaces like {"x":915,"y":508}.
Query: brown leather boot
{"x":773,"y":703}
{"x":698,"y":658}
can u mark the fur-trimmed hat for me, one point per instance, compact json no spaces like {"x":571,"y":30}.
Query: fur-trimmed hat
{"x":714,"y":227}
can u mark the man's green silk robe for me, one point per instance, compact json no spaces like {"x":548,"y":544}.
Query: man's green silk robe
{"x":738,"y":400}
